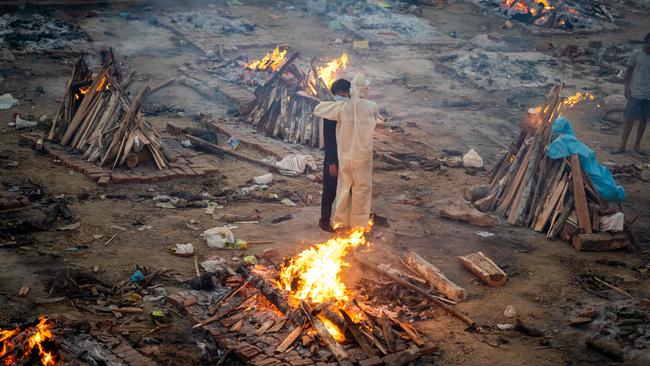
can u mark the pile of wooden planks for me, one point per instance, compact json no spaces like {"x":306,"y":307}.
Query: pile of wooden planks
{"x":528,"y":188}
{"x":284,"y":104}
{"x":97,"y":118}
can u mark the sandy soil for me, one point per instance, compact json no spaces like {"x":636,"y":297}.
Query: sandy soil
{"x":413,"y":88}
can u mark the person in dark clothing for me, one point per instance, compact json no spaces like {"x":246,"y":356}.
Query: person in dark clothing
{"x":341,"y":90}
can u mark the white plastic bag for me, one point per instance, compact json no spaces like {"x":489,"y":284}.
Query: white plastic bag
{"x":294,"y":164}
{"x":7,"y":101}
{"x":613,"y":222}
{"x":218,"y":237}
{"x":472,"y":159}
{"x":264,"y":179}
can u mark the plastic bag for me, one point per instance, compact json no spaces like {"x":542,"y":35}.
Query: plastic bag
{"x":218,"y":237}
{"x":264,"y":179}
{"x":472,"y":159}
{"x":613,"y":222}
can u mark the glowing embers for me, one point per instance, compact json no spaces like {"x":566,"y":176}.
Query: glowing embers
{"x":30,"y":344}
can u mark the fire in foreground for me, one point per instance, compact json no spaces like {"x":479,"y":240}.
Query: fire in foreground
{"x":314,"y":275}
{"x":28,"y":343}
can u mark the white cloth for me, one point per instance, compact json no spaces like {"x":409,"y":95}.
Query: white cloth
{"x":294,"y":164}
{"x":356,"y":120}
{"x":613,"y":222}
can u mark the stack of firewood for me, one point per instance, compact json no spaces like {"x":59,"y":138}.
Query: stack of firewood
{"x":97,"y":118}
{"x":283,"y":106}
{"x":552,"y":196}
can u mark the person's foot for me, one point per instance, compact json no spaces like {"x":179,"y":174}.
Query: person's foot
{"x":639,"y":151}
{"x":620,"y":150}
{"x":379,"y":220}
{"x":325,"y":225}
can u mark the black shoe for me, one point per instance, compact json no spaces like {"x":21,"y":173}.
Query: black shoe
{"x":325,"y":225}
{"x":379,"y":220}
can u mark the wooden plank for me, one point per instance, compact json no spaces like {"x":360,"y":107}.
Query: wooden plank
{"x":550,"y":204}
{"x":334,"y":347}
{"x":295,"y":333}
{"x":410,"y":331}
{"x":484,"y":268}
{"x":435,"y":277}
{"x":357,"y":334}
{"x":582,"y":210}
{"x":600,"y":242}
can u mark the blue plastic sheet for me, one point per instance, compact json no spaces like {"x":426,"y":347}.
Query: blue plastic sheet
{"x":566,"y":144}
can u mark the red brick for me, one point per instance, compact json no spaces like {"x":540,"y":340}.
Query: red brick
{"x":174,"y":129}
{"x":246,"y":351}
{"x":180,"y":173}
{"x":373,"y":361}
{"x":119,"y":178}
{"x":199,"y":172}
{"x":103,"y":181}
{"x":175,"y":299}
{"x":301,"y":362}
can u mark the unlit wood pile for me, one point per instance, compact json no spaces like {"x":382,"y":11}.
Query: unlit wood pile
{"x":283,"y":107}
{"x":528,"y":188}
{"x":97,"y":118}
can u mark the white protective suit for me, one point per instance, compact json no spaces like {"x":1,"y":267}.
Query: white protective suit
{"x":356,"y":120}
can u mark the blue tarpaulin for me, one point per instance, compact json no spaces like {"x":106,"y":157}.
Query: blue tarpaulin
{"x":566,"y":144}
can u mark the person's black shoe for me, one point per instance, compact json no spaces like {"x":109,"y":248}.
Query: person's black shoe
{"x":325,"y":225}
{"x":378,"y":220}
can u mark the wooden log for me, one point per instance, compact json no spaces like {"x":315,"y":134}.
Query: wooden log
{"x":387,"y":331}
{"x":600,"y":242}
{"x":219,"y":149}
{"x":334,"y":347}
{"x":605,"y":346}
{"x":411,"y":332}
{"x":270,"y":291}
{"x":582,"y":210}
{"x":417,"y":289}
{"x":406,"y":357}
{"x":484,"y":268}
{"x":436,"y":278}
{"x":550,"y":204}
{"x":295,"y":333}
{"x":357,"y":334}
{"x":477,"y":192}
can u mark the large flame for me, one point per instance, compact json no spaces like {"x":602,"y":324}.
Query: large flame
{"x":327,"y":73}
{"x":314,"y":275}
{"x":270,"y":60}
{"x":37,"y":336}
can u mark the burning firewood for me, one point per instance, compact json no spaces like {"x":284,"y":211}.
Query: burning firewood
{"x":529,"y":188}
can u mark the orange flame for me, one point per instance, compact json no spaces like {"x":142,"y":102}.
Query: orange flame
{"x":273,"y":60}
{"x":576,"y":98}
{"x":317,"y":270}
{"x":40,"y":333}
{"x":327,"y":73}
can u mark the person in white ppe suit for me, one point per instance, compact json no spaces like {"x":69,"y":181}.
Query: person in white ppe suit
{"x":356,"y":120}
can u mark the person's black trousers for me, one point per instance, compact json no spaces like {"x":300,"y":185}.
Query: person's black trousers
{"x":329,"y":193}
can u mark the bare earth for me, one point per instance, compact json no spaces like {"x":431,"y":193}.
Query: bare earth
{"x":416,"y":90}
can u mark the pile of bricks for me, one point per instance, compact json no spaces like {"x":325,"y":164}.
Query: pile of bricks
{"x":257,"y":349}
{"x":190,"y":166}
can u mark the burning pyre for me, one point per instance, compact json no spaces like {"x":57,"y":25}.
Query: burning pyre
{"x":535,"y":113}
{"x":272,"y":60}
{"x":560,"y":14}
{"x":30,"y":343}
{"x":314,"y":275}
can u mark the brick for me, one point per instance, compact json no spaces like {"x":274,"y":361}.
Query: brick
{"x":175,"y":299}
{"x":247,"y":351}
{"x":174,"y":129}
{"x":301,"y":362}
{"x":119,"y":178}
{"x":103,"y":181}
{"x":180,"y":173}
{"x":271,"y":361}
{"x":373,"y":361}
{"x":199,"y":172}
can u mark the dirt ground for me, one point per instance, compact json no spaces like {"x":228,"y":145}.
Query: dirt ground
{"x":415,"y":89}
